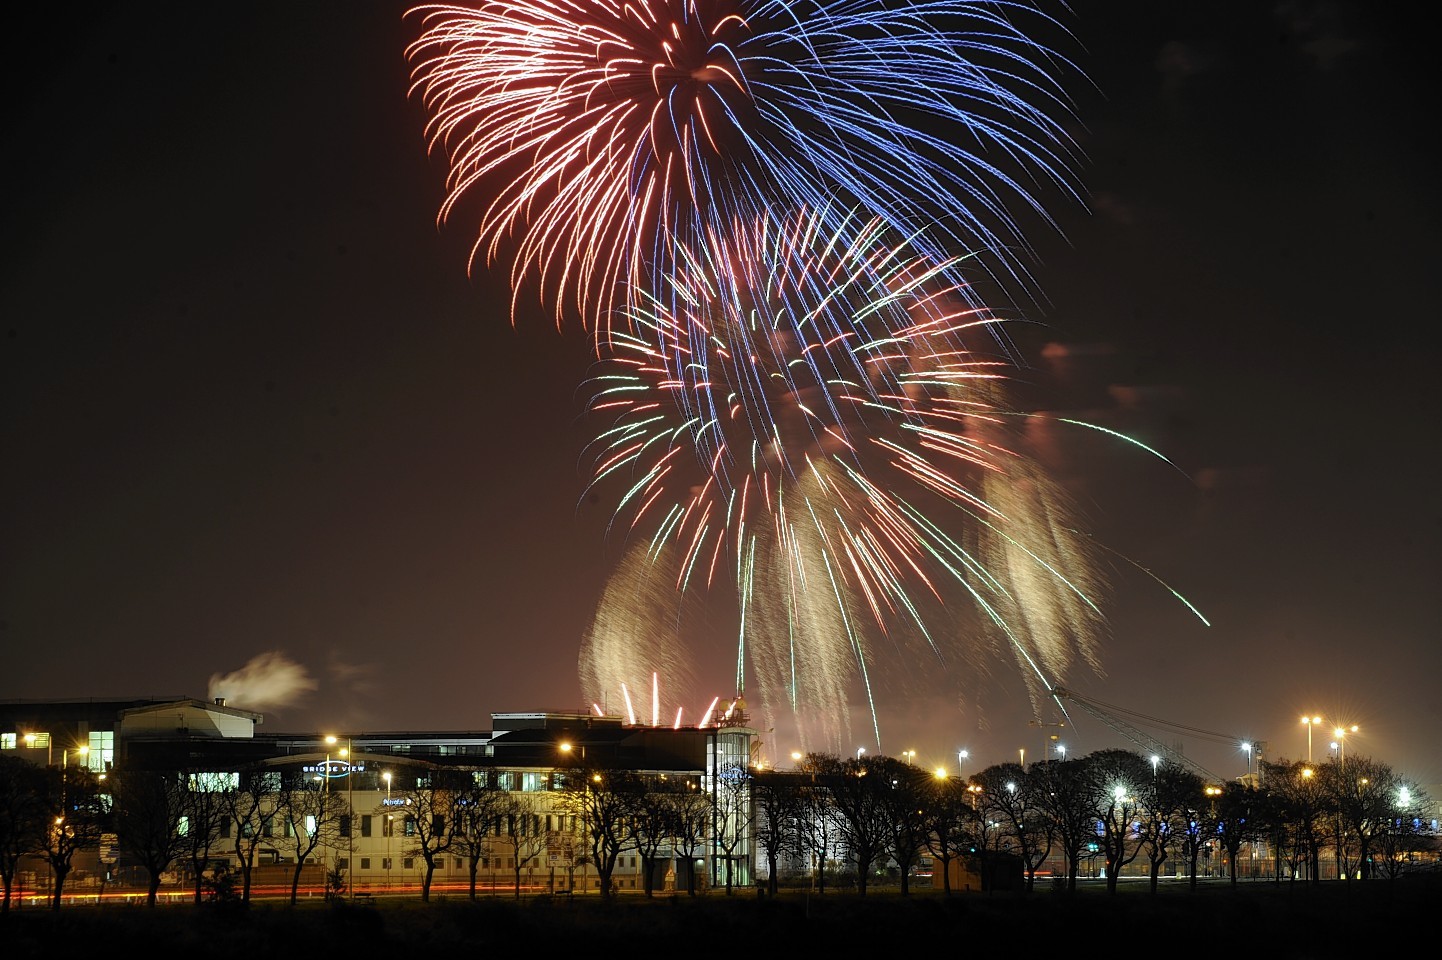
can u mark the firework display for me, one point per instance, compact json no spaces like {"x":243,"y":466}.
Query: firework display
{"x":595,"y":138}
{"x":770,"y":215}
{"x":806,"y":421}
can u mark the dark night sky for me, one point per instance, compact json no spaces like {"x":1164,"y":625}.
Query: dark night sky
{"x":252,"y":403}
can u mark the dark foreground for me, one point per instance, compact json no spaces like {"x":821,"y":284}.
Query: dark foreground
{"x":1287,"y":922}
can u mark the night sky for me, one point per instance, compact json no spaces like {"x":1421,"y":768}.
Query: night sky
{"x":254,"y":406}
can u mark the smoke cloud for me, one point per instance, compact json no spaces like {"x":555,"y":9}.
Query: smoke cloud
{"x":269,"y":680}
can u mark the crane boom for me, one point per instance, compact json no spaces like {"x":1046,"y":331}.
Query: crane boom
{"x":1144,"y":740}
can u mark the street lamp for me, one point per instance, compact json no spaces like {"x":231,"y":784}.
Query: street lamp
{"x":961,"y":756}
{"x":1310,"y":722}
{"x":387,"y":826}
{"x":859,"y":752}
{"x":1248,"y":747}
{"x":910,"y":755}
{"x":1061,"y":751}
{"x":1341,"y":735}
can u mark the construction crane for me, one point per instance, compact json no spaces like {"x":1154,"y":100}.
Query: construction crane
{"x":1115,"y":717}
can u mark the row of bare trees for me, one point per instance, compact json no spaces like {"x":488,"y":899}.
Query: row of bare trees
{"x":868,"y":814}
{"x":1113,"y":805}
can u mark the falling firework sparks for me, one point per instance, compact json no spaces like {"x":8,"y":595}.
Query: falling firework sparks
{"x":804,"y":419}
{"x":600,"y":135}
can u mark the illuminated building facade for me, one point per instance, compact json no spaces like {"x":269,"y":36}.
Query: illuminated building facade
{"x":534,"y":758}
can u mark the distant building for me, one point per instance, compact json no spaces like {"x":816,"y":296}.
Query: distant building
{"x":374,"y":771}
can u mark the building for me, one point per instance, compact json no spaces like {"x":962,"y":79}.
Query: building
{"x":383,"y":776}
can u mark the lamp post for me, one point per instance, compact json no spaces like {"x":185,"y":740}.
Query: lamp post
{"x":349,"y":755}
{"x":859,"y":752}
{"x":1341,"y":735}
{"x":325,"y":811}
{"x":1309,"y":723}
{"x":910,"y":756}
{"x":386,"y":826}
{"x":961,"y":756}
{"x":1248,"y":747}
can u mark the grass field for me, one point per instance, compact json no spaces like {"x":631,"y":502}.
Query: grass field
{"x":1287,"y":922}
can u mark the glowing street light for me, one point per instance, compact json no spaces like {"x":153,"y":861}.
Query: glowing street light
{"x":910,"y":756}
{"x":961,"y":756}
{"x":386,"y":776}
{"x":1341,"y":734}
{"x":859,"y":752}
{"x":1248,"y":747}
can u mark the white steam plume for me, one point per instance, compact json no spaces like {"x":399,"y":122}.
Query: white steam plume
{"x":269,"y":680}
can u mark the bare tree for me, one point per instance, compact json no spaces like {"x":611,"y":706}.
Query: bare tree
{"x":1299,"y":805}
{"x":1239,"y":820}
{"x":780,"y":808}
{"x":653,"y":828}
{"x":1201,"y":814}
{"x":952,"y":824}
{"x":22,"y":816}
{"x":1066,"y":790}
{"x":1363,"y":792}
{"x":149,"y":814}
{"x":430,"y":819}
{"x":1162,"y":821}
{"x":1122,"y":783}
{"x":862,"y":815}
{"x":1405,"y":833}
{"x":307,"y":819}
{"x":520,"y":833}
{"x":602,"y":802}
{"x":904,"y":794}
{"x":821,"y":828}
{"x":251,"y":806}
{"x":204,"y":821}
{"x":1007,"y":795}
{"x":691,"y":819}
{"x":479,"y":805}
{"x":75,"y":816}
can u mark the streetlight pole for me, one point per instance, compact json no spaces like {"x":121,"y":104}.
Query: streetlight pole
{"x":386,"y":825}
{"x":325,"y":812}
{"x":1341,"y":733}
{"x":1309,"y":723}
{"x":350,"y":802}
{"x":961,"y":756}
